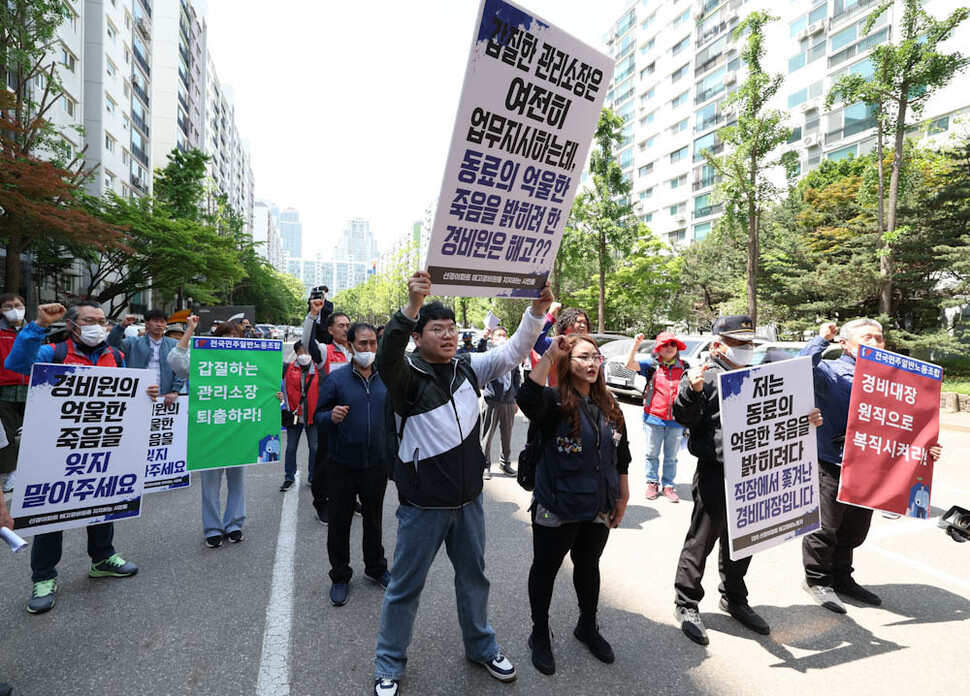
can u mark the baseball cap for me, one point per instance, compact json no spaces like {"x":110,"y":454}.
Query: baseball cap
{"x":737,"y":326}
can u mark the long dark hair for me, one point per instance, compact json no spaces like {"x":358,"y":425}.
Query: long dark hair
{"x":598,"y":392}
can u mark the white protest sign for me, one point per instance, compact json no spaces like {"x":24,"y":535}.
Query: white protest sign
{"x":167,"y":438}
{"x":82,"y":449}
{"x":770,"y":460}
{"x":529,"y":106}
{"x":491,"y":321}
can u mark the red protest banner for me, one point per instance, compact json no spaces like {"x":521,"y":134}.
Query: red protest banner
{"x":894,"y":418}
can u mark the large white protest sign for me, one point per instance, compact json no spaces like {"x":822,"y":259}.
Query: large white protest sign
{"x":770,"y":461}
{"x":529,"y":106}
{"x":165,"y":468}
{"x":82,"y":449}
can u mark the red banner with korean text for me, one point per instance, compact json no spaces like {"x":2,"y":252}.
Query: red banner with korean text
{"x":894,"y":418}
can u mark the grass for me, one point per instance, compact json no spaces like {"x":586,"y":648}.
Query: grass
{"x":960,"y":385}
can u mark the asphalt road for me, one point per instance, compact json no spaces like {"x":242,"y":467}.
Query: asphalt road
{"x":254,"y":618}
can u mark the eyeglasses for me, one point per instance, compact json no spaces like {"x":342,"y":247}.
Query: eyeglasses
{"x":588,"y":359}
{"x":91,"y":321}
{"x":440,"y":331}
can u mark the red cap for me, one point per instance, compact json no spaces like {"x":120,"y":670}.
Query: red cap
{"x":666,"y":337}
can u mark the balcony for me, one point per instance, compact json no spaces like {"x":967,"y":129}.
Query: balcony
{"x":139,"y":154}
{"x":711,"y":62}
{"x":144,"y":25}
{"x":147,"y":4}
{"x":716,"y":120}
{"x":140,"y":122}
{"x":851,"y":12}
{"x":704,"y":183}
{"x":142,"y":61}
{"x":848,"y":131}
{"x":142,"y":94}
{"x":139,"y":184}
{"x":858,"y":47}
{"x":708,"y":210}
{"x":708,"y":93}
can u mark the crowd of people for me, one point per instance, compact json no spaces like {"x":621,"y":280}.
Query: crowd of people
{"x":373,"y":410}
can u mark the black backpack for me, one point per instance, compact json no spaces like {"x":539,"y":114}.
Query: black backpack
{"x":529,"y":456}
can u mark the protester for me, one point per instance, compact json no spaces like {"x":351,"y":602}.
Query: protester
{"x":663,"y":372}
{"x":325,"y":336}
{"x":228,"y":524}
{"x":697,"y":406}
{"x":435,"y":395}
{"x":13,"y":388}
{"x":568,"y":321}
{"x":827,"y":554}
{"x":466,"y":344}
{"x":174,"y":332}
{"x":85,"y":345}
{"x":301,"y":392}
{"x":351,"y":407}
{"x":498,"y":410}
{"x":150,"y":351}
{"x":581,"y":486}
{"x":245,"y":329}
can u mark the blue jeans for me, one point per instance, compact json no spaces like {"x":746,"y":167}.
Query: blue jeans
{"x":669,"y":438}
{"x":293,"y":443}
{"x":419,"y":536}
{"x":212,"y":522}
{"x":45,"y":553}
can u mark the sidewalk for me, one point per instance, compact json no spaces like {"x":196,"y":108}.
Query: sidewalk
{"x":959,"y":421}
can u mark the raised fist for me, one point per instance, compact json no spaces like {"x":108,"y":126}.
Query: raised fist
{"x":315,"y":307}
{"x":47,"y":314}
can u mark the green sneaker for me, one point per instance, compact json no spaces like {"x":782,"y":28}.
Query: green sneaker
{"x":42,"y":598}
{"x":113,"y":567}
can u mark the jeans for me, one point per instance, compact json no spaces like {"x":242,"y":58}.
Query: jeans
{"x":293,"y":443}
{"x":235,"y":514}
{"x":669,"y":438}
{"x":45,"y":553}
{"x":419,"y":536}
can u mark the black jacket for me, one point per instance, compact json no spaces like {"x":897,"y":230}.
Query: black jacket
{"x":701,"y":413}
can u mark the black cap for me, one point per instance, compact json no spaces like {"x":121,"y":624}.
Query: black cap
{"x":467,"y":336}
{"x":738,"y":326}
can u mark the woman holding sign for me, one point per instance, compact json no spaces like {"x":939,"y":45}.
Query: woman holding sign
{"x":581,"y":487}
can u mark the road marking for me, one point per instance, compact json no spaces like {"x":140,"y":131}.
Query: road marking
{"x":274,"y":661}
{"x":919,"y":565}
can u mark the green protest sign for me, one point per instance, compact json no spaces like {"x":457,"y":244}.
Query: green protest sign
{"x":234,"y":415}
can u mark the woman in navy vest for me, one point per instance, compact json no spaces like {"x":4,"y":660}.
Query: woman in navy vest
{"x":581,"y":487}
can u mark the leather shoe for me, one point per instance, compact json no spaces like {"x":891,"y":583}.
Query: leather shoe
{"x":850,"y":588}
{"x":541,"y":647}
{"x":746,"y":615}
{"x":589,"y":634}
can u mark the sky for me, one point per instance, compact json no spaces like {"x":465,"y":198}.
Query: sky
{"x":349,"y":107}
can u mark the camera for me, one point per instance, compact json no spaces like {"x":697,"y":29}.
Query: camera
{"x":317,"y":293}
{"x":956,"y":522}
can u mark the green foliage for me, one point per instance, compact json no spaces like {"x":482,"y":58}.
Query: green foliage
{"x":179,"y":188}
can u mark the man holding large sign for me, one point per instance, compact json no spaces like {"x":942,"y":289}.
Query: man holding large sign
{"x":529,"y":106}
{"x":827,"y":554}
{"x":93,"y":471}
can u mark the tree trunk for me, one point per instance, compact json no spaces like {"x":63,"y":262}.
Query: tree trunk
{"x":11,"y":282}
{"x":886,"y":260}
{"x":753,"y":250}
{"x":602,"y":303}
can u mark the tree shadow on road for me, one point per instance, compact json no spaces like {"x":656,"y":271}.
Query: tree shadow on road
{"x":831,"y":639}
{"x":637,"y":514}
{"x":923,"y":604}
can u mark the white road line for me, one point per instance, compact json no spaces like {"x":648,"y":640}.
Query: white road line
{"x":919,"y":565}
{"x":274,"y":661}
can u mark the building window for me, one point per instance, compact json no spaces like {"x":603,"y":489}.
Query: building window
{"x":680,"y":99}
{"x":646,"y":193}
{"x":843,"y":153}
{"x":701,"y":231}
{"x":625,"y":158}
{"x":647,"y":47}
{"x":645,"y":24}
{"x":109,"y":104}
{"x":678,"y":208}
{"x":678,"y":181}
{"x":68,"y":105}
{"x":678,"y":155}
{"x":109,"y":143}
{"x":109,"y":67}
{"x":681,"y":45}
{"x":648,"y":168}
{"x":648,"y":217}
{"x":797,"y":26}
{"x":649,"y":70}
{"x":680,"y":126}
{"x":680,"y":72}
{"x":682,"y":18}
{"x":796,"y":98}
{"x":111,"y":32}
{"x":68,"y":60}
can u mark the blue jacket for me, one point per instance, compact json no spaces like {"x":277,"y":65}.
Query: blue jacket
{"x":138,"y":351}
{"x":29,"y":349}
{"x":357,"y":441}
{"x":833,"y":388}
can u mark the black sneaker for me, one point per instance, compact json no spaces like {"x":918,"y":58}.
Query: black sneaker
{"x":508,"y":470}
{"x":691,"y":624}
{"x":42,"y":598}
{"x":850,"y":588}
{"x":387,"y":687}
{"x":112,"y":567}
{"x":323,"y":517}
{"x":746,"y":615}
{"x":384,"y":579}
{"x":287,"y":485}
{"x":338,"y":594}
{"x":214,"y":541}
{"x":590,"y":635}
{"x":541,"y":646}
{"x":235,"y":536}
{"x":500,"y":668}
{"x":358,"y":510}
{"x":6,"y":689}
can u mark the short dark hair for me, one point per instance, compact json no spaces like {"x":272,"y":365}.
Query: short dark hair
{"x":433,"y":311}
{"x":10,"y":297}
{"x":333,"y":318}
{"x":155,"y":314}
{"x":298,"y":346}
{"x":227,"y":327}
{"x":359,"y":326}
{"x":568,"y":317}
{"x":73,"y":311}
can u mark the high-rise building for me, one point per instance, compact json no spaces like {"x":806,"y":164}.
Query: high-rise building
{"x":356,"y":243}
{"x":267,"y":237}
{"x":676,"y":62}
{"x":291,"y":230}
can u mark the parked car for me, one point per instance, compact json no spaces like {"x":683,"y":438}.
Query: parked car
{"x":622,"y":381}
{"x":264,"y":330}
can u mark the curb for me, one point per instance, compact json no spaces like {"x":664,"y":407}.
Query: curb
{"x":954,"y":426}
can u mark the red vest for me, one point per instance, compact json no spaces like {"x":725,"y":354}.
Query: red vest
{"x":294,"y":383}
{"x":7,"y":337}
{"x":334,"y":355}
{"x":662,"y":389}
{"x":109,"y":357}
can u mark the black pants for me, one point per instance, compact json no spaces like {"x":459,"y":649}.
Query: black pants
{"x":708,"y":524}
{"x":319,"y":485}
{"x":827,"y":554}
{"x":585,"y":542}
{"x":346,"y":485}
{"x":12,"y":418}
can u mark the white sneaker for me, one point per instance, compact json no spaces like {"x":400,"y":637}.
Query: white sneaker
{"x":500,"y":668}
{"x":8,"y":481}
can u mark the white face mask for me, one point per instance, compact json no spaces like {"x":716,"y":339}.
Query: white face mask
{"x":364,"y":359}
{"x":303,"y":359}
{"x":739,"y":355}
{"x":92,"y":335}
{"x":499,"y":341}
{"x":14,"y":316}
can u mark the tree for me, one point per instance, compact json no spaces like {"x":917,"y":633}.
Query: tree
{"x":905,"y":75}
{"x":40,"y":177}
{"x":745,"y":170}
{"x":602,"y":213}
